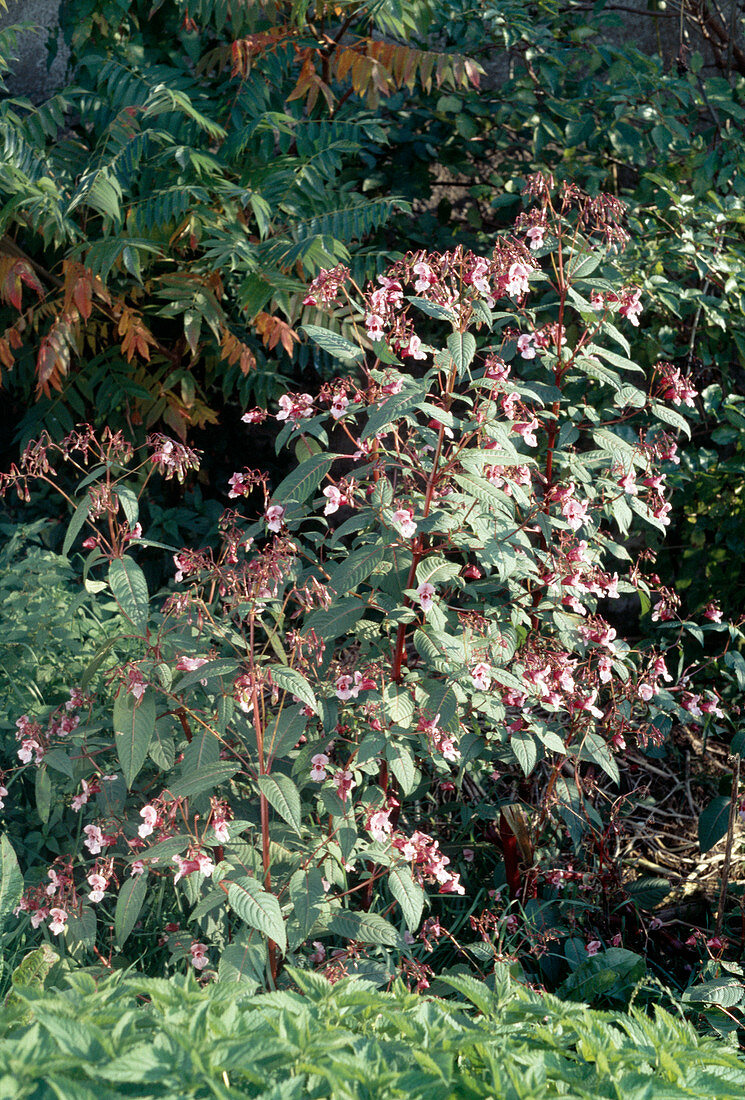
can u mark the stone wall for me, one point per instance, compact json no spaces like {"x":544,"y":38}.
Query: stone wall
{"x":30,"y":76}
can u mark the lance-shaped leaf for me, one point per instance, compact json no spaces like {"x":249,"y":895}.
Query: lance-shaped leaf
{"x":11,"y":879}
{"x":333,"y":343}
{"x":462,"y":347}
{"x":128,"y":905}
{"x":128,"y":584}
{"x":134,"y":724}
{"x":304,"y":481}
{"x":289,"y":679}
{"x":258,"y":909}
{"x":408,"y":894}
{"x":283,"y":796}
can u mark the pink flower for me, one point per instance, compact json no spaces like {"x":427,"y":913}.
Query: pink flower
{"x":149,"y":817}
{"x":468,"y":855}
{"x":379,"y":827}
{"x":333,"y":500}
{"x":294,"y":407}
{"x":274,"y":517}
{"x":713,"y":611}
{"x":137,"y":868}
{"x":481,"y":676}
{"x":374,"y":326}
{"x":339,"y":406}
{"x":344,"y":783}
{"x":98,"y":886}
{"x":349,"y":687}
{"x":425,"y":593}
{"x":617,"y":940}
{"x":605,"y":669}
{"x":318,"y":771}
{"x":535,"y":235}
{"x":403,"y":519}
{"x":628,"y":484}
{"x":517,"y":280}
{"x":631,"y":305}
{"x":95,"y":840}
{"x":58,"y":922}
{"x":527,"y":431}
{"x":645,"y":691}
{"x":426,"y":277}
{"x":319,"y":955}
{"x":593,"y":947}
{"x":190,"y":664}
{"x":253,"y":416}
{"x":198,"y":955}
{"x":526,"y":345}
{"x":414,"y":348}
{"x":575,"y":512}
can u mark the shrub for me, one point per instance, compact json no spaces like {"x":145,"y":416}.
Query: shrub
{"x":295,"y":717}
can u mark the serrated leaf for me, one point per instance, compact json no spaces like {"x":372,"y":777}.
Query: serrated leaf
{"x":129,"y":587}
{"x":128,"y":906}
{"x":408,"y":894}
{"x":304,"y":481}
{"x":11,"y":879}
{"x":134,"y":724}
{"x":356,"y":568}
{"x":283,"y":796}
{"x":308,"y":898}
{"x":432,"y":309}
{"x":524,"y":747}
{"x":205,"y":779}
{"x":333,"y":343}
{"x":365,"y":927}
{"x":258,"y":909}
{"x":462,"y":347}
{"x":336,"y":621}
{"x":289,"y":679}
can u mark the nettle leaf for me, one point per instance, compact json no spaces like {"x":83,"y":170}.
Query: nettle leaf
{"x":289,"y":679}
{"x":128,"y":906}
{"x":365,"y":927}
{"x":408,"y":894}
{"x":713,"y":823}
{"x":283,"y":796}
{"x":129,"y":587}
{"x":303,"y":482}
{"x":11,"y":879}
{"x":134,"y":725}
{"x":462,"y":347}
{"x":333,"y":343}
{"x":258,"y":909}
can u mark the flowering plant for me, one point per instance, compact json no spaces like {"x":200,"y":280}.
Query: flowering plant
{"x":421,"y":611}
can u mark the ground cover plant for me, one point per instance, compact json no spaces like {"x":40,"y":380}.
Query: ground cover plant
{"x":390,"y":692}
{"x":65,"y":1035}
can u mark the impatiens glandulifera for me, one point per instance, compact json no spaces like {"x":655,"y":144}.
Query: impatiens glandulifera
{"x":419,"y":611}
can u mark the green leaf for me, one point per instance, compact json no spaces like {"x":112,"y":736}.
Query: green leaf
{"x":432,"y":309}
{"x":205,"y":779}
{"x":308,"y":898}
{"x":283,"y":796}
{"x":523,"y":746}
{"x":134,"y":725}
{"x":289,"y":679}
{"x":304,"y":481}
{"x":356,"y":568}
{"x":393,"y":408}
{"x":726,"y":992}
{"x":335,"y":621}
{"x":130,"y":504}
{"x":76,"y":524}
{"x":408,"y":894}
{"x":128,"y":906}
{"x":365,"y":927}
{"x":713,"y":823}
{"x":212,"y":670}
{"x":128,"y":584}
{"x":258,"y":909}
{"x":333,"y":343}
{"x":462,"y":347}
{"x":11,"y":880}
